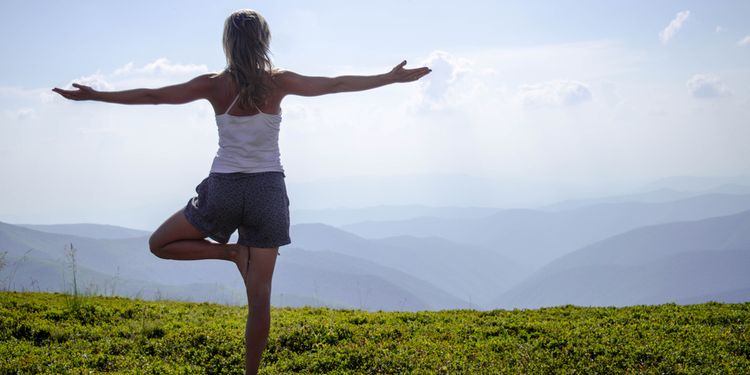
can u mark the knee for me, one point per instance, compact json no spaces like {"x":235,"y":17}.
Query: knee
{"x":155,"y":246}
{"x":259,"y":300}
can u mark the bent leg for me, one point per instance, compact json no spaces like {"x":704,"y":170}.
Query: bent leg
{"x":177,"y":239}
{"x":258,"y":283}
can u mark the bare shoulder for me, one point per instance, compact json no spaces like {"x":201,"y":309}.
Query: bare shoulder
{"x":284,"y":78}
{"x":204,"y":83}
{"x":218,"y":83}
{"x":217,"y":87}
{"x":213,"y":78}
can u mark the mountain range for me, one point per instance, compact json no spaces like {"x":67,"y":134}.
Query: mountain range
{"x":654,"y":246}
{"x":684,"y":261}
{"x":536,"y":237}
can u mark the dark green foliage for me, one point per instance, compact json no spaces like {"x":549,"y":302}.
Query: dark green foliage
{"x":47,"y":333}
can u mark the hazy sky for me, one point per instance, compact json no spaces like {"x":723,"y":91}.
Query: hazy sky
{"x":555,"y":95}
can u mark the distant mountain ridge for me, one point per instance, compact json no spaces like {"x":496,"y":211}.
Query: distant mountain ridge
{"x":97,"y":231}
{"x":657,"y":264}
{"x":129,"y":267}
{"x":535,"y":237}
{"x":357,"y":283}
{"x":697,"y":183}
{"x":466,"y":271}
{"x":660,"y":195}
{"x":641,"y":248}
{"x":343,"y":216}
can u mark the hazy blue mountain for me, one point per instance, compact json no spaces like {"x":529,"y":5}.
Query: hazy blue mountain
{"x":130,"y":256}
{"x":89,"y":230}
{"x":695,"y":183}
{"x":428,"y":189}
{"x":466,"y":271}
{"x":29,"y":273}
{"x":672,"y":262}
{"x":39,"y":261}
{"x":730,"y":189}
{"x":730,"y":232}
{"x":343,"y":216}
{"x":654,"y":196}
{"x":351,"y":282}
{"x":292,"y":300}
{"x":536,"y":237}
{"x":732,"y":296}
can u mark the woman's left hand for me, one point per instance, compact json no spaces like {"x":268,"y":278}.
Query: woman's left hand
{"x":399,"y":74}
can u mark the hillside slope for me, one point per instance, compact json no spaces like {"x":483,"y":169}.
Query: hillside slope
{"x":656,"y":264}
{"x":468,"y":272}
{"x":536,"y":237}
{"x":39,"y":261}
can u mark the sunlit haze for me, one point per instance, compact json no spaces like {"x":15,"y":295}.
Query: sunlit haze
{"x":528,"y":102}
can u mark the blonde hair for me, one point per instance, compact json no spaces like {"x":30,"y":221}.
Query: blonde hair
{"x":246,"y":44}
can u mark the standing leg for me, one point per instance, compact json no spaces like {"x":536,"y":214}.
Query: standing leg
{"x":262,"y":262}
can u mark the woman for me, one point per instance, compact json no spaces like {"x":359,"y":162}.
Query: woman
{"x":245,"y":188}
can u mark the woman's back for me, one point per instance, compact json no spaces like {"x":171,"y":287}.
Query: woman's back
{"x":226,"y":94}
{"x":248,"y":139}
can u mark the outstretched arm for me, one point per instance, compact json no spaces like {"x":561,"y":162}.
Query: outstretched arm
{"x":197,"y":88}
{"x":296,"y":84}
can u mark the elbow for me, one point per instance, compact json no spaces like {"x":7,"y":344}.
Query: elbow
{"x":338,"y":86}
{"x":151,"y":97}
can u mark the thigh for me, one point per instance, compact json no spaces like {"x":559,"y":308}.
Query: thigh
{"x":217,"y":209}
{"x":173,"y":229}
{"x":260,"y":274}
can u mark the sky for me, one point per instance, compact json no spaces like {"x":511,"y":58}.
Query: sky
{"x":555,"y":98}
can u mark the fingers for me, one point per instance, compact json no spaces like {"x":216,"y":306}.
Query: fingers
{"x":81,"y":87}
{"x":81,"y":92}
{"x":67,"y":94}
{"x":408,"y":75}
{"x":61,"y":91}
{"x":419,"y":70}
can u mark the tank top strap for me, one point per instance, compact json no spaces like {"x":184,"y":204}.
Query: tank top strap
{"x":232,"y":105}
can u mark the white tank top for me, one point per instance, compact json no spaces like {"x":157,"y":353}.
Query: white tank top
{"x":248,"y":144}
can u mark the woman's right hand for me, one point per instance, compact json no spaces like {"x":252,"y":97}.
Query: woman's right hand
{"x":83,"y":93}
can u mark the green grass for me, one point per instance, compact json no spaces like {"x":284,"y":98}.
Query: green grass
{"x":55,"y":333}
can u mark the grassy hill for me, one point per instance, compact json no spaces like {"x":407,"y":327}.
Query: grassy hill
{"x":56,"y":333}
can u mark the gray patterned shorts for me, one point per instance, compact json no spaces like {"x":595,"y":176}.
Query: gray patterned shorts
{"x":255,"y":203}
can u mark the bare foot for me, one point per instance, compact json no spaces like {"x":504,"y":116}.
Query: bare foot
{"x":242,"y":260}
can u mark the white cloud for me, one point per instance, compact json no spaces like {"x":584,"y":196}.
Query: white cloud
{"x":21,"y":114}
{"x":721,"y":29}
{"x":97,"y":81}
{"x":160,"y":72}
{"x":671,"y":30}
{"x":161,"y":66}
{"x":706,"y":86}
{"x":744,"y":41}
{"x":554,"y":93}
{"x":447,"y":70}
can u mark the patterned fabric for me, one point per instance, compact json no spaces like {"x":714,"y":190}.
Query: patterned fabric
{"x":255,"y":203}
